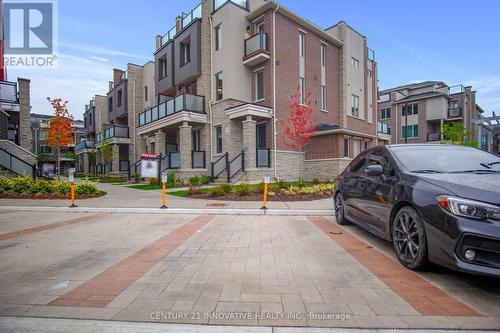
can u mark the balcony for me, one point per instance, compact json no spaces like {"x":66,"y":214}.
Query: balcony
{"x":85,"y":144}
{"x":186,"y":20}
{"x":239,"y":3}
{"x":8,"y":92}
{"x":256,"y":50}
{"x":433,"y":136}
{"x":114,"y":132}
{"x":182,"y":105}
{"x":454,"y":113}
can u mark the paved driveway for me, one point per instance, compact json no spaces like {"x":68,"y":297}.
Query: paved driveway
{"x":227,"y":270}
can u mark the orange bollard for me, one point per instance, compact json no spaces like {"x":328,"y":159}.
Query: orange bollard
{"x":266,"y":182}
{"x":164,"y":192}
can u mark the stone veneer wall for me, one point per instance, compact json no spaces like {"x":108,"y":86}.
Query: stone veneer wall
{"x":325,"y":169}
{"x":135,"y":95}
{"x":24,"y":114}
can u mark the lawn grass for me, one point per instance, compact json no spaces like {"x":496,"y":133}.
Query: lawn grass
{"x":148,"y":187}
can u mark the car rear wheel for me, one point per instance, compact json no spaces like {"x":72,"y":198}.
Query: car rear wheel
{"x":339,"y":210}
{"x":409,"y":239}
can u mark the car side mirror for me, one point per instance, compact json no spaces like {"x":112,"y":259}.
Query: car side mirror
{"x":374,"y":170}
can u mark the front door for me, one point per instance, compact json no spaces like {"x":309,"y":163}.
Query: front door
{"x":261,"y":136}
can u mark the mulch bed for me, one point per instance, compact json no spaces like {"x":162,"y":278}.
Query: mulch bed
{"x":259,"y":197}
{"x":52,"y":196}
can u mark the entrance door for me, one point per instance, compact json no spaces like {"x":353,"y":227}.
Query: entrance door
{"x":261,"y":136}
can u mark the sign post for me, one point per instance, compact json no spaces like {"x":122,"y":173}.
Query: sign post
{"x":71,"y":172}
{"x":266,"y":184}
{"x":164,"y":179}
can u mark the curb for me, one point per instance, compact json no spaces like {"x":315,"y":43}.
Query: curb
{"x":213,"y":211}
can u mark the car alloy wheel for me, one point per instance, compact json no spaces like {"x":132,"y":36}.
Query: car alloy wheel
{"x":409,"y":239}
{"x":339,"y":210}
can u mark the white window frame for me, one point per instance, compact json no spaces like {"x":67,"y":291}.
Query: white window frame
{"x":324,"y":98}
{"x":216,"y":139}
{"x":355,"y":106}
{"x":217,"y":37}
{"x":355,"y":62}
{"x":302,"y":90}
{"x":215,"y":87}
{"x":302,"y":43}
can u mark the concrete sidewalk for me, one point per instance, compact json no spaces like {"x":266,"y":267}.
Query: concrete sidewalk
{"x":30,"y":324}
{"x":120,"y":196}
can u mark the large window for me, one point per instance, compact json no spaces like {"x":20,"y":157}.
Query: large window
{"x":355,"y":106}
{"x":110,"y":104}
{"x":385,"y":113}
{"x":323,"y":55}
{"x":217,"y":36}
{"x":323,"y":77}
{"x":323,"y":98}
{"x":346,"y":147}
{"x":185,"y":52}
{"x":259,"y":85}
{"x":302,"y":45}
{"x":411,"y":108}
{"x":145,"y":93}
{"x":162,"y":68}
{"x":218,"y":87}
{"x":46,"y":150}
{"x":302,"y":90}
{"x":410,"y":131}
{"x":218,"y":139}
{"x":196,"y":140}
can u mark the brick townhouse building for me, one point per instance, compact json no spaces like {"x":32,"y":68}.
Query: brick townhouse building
{"x":213,"y":99}
{"x":429,"y":105}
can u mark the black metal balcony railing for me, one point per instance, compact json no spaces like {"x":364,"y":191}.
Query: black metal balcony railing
{"x":263,"y":158}
{"x":198,"y":159}
{"x":187,"y":19}
{"x":257,"y":42}
{"x":85,"y":144}
{"x":433,"y":136}
{"x":8,"y":92}
{"x":220,"y":3}
{"x":454,"y":112}
{"x":113,"y":132}
{"x":184,"y":102}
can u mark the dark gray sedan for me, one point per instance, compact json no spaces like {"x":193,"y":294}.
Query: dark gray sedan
{"x":436,"y":203}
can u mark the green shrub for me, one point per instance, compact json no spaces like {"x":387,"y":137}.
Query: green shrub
{"x":42,"y":186}
{"x":217,"y":191}
{"x":205,"y":180}
{"x":86,"y":188}
{"x":316,"y":181}
{"x":260,"y":187}
{"x":283,"y":184}
{"x":195,"y":181}
{"x":136,"y":176}
{"x":153,"y":181}
{"x":194,"y":190}
{"x":5,"y":184}
{"x":22,"y":184}
{"x":243,"y":189}
{"x":326,"y":189}
{"x":60,"y":187}
{"x":226,"y":188}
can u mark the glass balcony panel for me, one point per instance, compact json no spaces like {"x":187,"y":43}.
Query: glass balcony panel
{"x":262,"y":157}
{"x":194,"y":103}
{"x":8,"y":91}
{"x":154,"y":113}
{"x":148,"y":116}
{"x":255,"y":43}
{"x":161,"y":110}
{"x":120,"y":132}
{"x":198,"y":159}
{"x":179,"y":103}
{"x":142,"y":119}
{"x":175,"y":160}
{"x":170,"y":106}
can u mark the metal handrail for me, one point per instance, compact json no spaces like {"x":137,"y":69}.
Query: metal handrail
{"x":226,"y":157}
{"x":232,"y":173}
{"x":11,"y":156}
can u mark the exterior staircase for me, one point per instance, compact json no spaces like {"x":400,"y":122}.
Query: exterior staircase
{"x":15,"y":160}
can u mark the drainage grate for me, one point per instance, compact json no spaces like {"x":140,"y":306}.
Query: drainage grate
{"x":217,"y":205}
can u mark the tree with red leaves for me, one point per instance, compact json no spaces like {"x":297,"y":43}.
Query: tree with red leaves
{"x":300,"y":126}
{"x":60,"y":131}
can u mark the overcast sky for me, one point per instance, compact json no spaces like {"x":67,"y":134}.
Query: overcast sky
{"x":457,"y":42}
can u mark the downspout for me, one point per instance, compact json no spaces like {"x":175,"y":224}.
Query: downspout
{"x":274,"y":94}
{"x":210,"y":111}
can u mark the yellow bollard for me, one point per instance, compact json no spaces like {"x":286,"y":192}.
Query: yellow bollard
{"x":72,"y":186}
{"x":266,"y":182}
{"x":163,"y":192}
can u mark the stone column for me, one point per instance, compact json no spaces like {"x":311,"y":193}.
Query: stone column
{"x":24,"y":114}
{"x":160,"y":143}
{"x":249,"y":142}
{"x":185,"y":145}
{"x":85,"y":162}
{"x":115,"y":164}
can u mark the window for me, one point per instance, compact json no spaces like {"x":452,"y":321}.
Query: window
{"x":218,"y":87}
{"x":259,"y":86}
{"x":119,"y":98}
{"x":358,"y":165}
{"x":162,"y":68}
{"x":380,"y":158}
{"x":411,"y":108}
{"x":42,"y":135}
{"x":46,"y":149}
{"x":185,"y":52}
{"x":259,"y":27}
{"x":196,"y":140}
{"x":323,"y":98}
{"x":346,"y":147}
{"x":385,"y":113}
{"x":90,"y":119}
{"x":145,"y":93}
{"x":302,"y":89}
{"x":355,"y":106}
{"x":366,"y":145}
{"x":110,"y":104}
{"x":370,"y":73}
{"x":261,"y":136}
{"x":410,"y":131}
{"x":302,"y":46}
{"x":323,"y":55}
{"x":217,"y":36}
{"x":191,"y":88}
{"x":218,"y":139}
{"x":355,"y":62}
